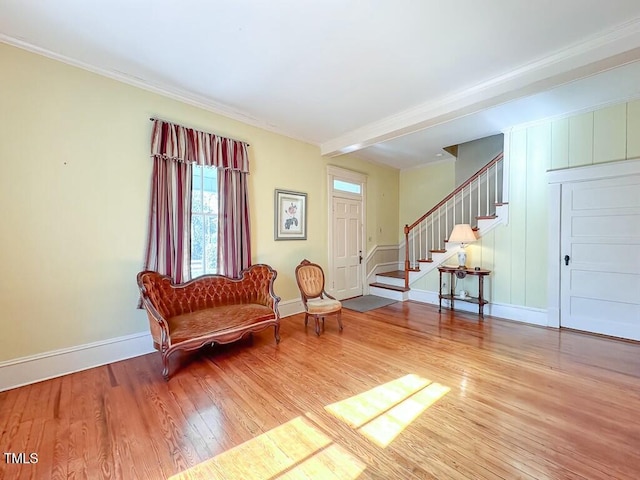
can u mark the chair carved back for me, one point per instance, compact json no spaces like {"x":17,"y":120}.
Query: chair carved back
{"x":310,"y":279}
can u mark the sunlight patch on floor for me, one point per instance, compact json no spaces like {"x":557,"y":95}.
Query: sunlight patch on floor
{"x":333,"y":462}
{"x":385,"y":428}
{"x":362,"y":408}
{"x":295,"y":449}
{"x":300,"y":449}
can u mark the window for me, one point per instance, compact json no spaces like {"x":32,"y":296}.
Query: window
{"x":344,"y":186}
{"x":204,"y":221}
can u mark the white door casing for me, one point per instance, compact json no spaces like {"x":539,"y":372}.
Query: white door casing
{"x":600,"y":244}
{"x":347,"y":194}
{"x":559,"y":180}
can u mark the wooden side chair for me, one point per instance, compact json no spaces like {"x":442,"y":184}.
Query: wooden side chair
{"x":317,"y":302}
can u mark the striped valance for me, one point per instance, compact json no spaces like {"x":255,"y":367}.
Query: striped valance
{"x":182,"y":144}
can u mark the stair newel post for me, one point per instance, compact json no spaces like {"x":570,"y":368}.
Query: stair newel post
{"x":406,"y":256}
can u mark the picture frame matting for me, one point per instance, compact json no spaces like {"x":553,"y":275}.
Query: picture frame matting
{"x":290,"y":215}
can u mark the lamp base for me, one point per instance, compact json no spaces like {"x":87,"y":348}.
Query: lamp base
{"x":462,"y":258}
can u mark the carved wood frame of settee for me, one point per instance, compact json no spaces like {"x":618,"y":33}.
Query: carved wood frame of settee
{"x":219,"y":309}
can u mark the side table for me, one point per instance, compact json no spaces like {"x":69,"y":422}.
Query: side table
{"x":462,"y":272}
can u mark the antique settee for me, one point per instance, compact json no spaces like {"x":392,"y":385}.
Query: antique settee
{"x":208,"y":309}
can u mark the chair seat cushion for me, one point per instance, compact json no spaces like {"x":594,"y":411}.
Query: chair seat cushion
{"x":212,"y":320}
{"x":323,"y":305}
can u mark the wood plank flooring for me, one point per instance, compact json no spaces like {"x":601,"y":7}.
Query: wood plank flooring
{"x":401,"y":393}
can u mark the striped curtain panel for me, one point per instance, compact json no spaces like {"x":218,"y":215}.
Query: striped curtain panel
{"x":169,"y":238}
{"x":174,"y":150}
{"x":234,"y":242}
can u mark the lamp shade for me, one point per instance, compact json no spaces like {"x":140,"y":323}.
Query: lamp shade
{"x":462,"y":233}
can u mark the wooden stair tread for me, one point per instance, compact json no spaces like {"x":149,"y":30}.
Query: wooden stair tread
{"x":437,"y":251}
{"x":426,"y":260}
{"x":394,"y":274}
{"x":486,"y":217}
{"x":389,"y":287}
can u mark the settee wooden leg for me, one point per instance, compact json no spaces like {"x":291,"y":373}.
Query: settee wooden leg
{"x":306,"y":319}
{"x":165,"y":369}
{"x":277,"y":332}
{"x":340,"y":320}
{"x":317,"y":326}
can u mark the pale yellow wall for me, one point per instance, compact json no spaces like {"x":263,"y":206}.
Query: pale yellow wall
{"x":74,"y":186}
{"x":422,"y":188}
{"x":606,"y":135}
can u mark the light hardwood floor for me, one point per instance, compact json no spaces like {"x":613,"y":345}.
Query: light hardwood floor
{"x":401,"y":393}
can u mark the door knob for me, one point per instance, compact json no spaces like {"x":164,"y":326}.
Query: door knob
{"x":566,"y":259}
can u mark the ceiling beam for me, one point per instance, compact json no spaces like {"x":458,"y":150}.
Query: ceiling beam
{"x":615,"y":48}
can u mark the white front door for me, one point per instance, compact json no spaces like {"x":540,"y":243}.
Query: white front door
{"x":600,"y":250}
{"x":346,"y":277}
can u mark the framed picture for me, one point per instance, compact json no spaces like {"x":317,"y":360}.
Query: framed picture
{"x":290,"y":215}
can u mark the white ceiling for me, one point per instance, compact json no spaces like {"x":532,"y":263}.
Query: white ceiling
{"x":392,"y":81}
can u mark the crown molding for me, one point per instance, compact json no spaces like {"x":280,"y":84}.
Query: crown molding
{"x":173,"y":93}
{"x":614,"y":48}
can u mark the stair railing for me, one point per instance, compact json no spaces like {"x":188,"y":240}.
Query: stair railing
{"x":475,"y":199}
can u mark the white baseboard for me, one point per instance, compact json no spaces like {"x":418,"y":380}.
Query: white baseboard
{"x":43,"y":366}
{"x":516,"y":313}
{"x":290,"y":307}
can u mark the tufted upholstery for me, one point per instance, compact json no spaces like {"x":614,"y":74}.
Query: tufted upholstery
{"x":208,"y":291}
{"x":311,"y":280}
{"x":317,"y":302}
{"x":208,"y":309}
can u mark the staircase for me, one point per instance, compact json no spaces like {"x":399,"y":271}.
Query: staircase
{"x":478,"y":202}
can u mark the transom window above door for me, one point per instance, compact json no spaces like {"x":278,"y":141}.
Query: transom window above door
{"x":344,"y":186}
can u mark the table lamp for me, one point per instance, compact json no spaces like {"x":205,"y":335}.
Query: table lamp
{"x":462,"y":234}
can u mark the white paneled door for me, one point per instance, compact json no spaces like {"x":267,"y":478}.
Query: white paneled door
{"x":600,"y":250}
{"x":347,"y":247}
